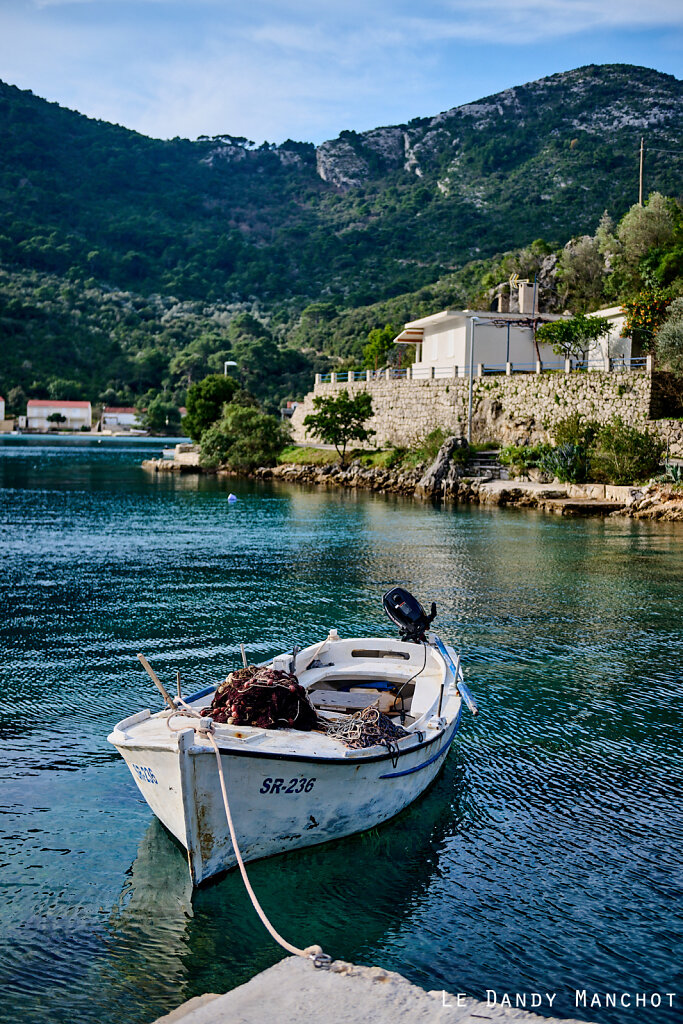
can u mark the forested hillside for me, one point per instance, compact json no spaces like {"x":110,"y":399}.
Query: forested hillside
{"x":128,"y":263}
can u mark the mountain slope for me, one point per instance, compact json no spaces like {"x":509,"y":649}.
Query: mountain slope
{"x":366,"y":216}
{"x":127,"y":262}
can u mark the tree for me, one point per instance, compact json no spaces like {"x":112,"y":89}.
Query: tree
{"x":380,"y":345}
{"x":669,"y":341}
{"x":56,"y":418}
{"x":206,"y":353}
{"x":340,"y":419}
{"x":644,"y":316}
{"x":318,"y":313}
{"x":243,"y":439}
{"x":16,"y":400}
{"x":64,"y":390}
{"x":575,"y":336}
{"x":205,"y":401}
{"x":581,"y":270}
{"x":641,"y":229}
{"x":161,"y":416}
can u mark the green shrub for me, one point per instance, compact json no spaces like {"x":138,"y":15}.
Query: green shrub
{"x":242,"y":439}
{"x":161,"y":417}
{"x":568,"y":463}
{"x":673,"y":474}
{"x":428,"y":447}
{"x":625,"y":455}
{"x":576,"y":430}
{"x":395,"y":457}
{"x":522,"y":458}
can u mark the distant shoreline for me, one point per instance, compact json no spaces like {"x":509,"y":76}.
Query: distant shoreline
{"x":81,"y":438}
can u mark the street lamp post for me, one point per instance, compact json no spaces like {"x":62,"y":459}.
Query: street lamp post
{"x":478,"y":320}
{"x":226,"y":364}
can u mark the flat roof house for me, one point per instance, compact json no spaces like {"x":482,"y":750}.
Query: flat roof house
{"x":76,"y":414}
{"x":447,"y":343}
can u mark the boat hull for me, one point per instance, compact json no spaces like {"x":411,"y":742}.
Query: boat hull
{"x":278,"y":802}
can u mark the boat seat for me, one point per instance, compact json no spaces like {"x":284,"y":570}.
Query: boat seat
{"x":340,"y":700}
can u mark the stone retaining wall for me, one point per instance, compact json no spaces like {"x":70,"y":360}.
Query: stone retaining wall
{"x":507,"y":409}
{"x":671,"y":432}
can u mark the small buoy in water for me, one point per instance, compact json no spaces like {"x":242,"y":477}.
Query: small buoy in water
{"x":232,"y":497}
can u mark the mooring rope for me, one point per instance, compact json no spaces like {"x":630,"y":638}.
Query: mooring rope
{"x":314,"y":952}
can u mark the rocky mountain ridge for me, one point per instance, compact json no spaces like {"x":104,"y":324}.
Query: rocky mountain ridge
{"x":641,"y":101}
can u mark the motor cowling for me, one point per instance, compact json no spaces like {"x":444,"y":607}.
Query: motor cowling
{"x":408,"y":614}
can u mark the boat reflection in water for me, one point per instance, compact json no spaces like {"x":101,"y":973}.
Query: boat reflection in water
{"x":349,"y":895}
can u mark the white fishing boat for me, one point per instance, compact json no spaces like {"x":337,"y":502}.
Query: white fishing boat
{"x":289,"y":788}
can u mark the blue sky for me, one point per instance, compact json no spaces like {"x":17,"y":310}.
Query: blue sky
{"x":273,"y":69}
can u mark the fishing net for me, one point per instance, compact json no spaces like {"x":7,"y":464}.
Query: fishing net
{"x":366,"y":729}
{"x":262,"y":697}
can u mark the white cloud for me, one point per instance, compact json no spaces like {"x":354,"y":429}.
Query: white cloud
{"x":525,"y":21}
{"x":300,"y":68}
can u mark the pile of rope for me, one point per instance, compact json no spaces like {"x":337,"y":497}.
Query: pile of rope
{"x":262,"y":697}
{"x":366,"y":729}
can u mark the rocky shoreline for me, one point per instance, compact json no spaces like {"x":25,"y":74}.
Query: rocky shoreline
{"x":653,"y":501}
{"x":444,"y":480}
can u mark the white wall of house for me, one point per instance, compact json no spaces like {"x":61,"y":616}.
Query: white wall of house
{"x":442,"y":342}
{"x":446,"y":339}
{"x":125,"y":418}
{"x":613,"y":346}
{"x":2,"y":408}
{"x":76,"y":414}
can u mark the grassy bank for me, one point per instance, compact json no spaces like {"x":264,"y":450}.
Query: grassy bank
{"x":398,"y":458}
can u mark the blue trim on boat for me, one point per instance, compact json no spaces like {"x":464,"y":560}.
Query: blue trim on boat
{"x":432,"y":759}
{"x":373,"y":686}
{"x":202,"y":693}
{"x":417,"y":767}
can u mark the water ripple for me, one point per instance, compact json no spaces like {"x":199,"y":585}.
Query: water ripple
{"x":546,"y":855}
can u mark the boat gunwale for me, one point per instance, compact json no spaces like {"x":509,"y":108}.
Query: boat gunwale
{"x":197,"y":749}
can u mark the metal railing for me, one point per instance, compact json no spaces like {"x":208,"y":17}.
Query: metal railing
{"x":619,"y":364}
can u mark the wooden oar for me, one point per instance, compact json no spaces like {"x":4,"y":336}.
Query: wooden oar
{"x":157,"y":682}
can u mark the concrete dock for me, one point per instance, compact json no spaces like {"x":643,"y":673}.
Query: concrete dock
{"x":294,"y":991}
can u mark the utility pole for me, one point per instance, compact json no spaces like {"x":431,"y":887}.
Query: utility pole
{"x":642,"y":153}
{"x":472,"y":321}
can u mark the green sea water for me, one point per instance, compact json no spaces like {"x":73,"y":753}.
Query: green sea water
{"x":545,"y":858}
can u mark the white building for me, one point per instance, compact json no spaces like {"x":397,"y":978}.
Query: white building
{"x":120,"y":417}
{"x":612,"y":348}
{"x":76,"y":414}
{"x":2,"y":408}
{"x":448,"y":343}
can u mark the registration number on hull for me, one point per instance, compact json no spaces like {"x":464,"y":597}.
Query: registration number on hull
{"x":145,"y":774}
{"x":297,"y":785}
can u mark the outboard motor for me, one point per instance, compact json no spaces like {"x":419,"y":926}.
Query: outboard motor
{"x":408,"y":614}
